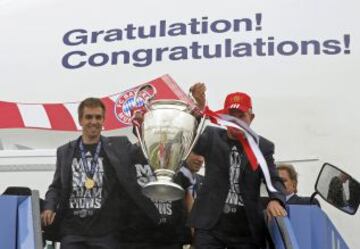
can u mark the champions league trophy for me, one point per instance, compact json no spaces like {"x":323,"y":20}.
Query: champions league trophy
{"x":168,"y":134}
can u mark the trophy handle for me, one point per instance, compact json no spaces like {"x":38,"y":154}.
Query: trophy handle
{"x":198,"y":133}
{"x":138,"y":135}
{"x":146,"y":101}
{"x":199,"y":129}
{"x":147,"y":106}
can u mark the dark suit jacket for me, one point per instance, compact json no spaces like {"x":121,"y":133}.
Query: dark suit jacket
{"x":208,"y":206}
{"x":121,"y":154}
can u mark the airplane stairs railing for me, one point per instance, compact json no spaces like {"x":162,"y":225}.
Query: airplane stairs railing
{"x":306,"y":227}
{"x":20,"y":222}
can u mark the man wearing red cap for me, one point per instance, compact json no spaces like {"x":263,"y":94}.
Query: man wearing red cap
{"x":227,"y":212}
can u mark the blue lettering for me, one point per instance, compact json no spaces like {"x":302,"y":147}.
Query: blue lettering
{"x":195,"y":50}
{"x":259,"y":44}
{"x":216,"y":29}
{"x":113,"y":35}
{"x":216,"y":54}
{"x":178,"y":53}
{"x":95,"y":34}
{"x":305,"y":46}
{"x":66,"y":60}
{"x":332,"y":47}
{"x":98,"y":59}
{"x":242,"y":49}
{"x":177,"y":29}
{"x":142,"y":34}
{"x":75,"y":37}
{"x":115,"y":56}
{"x":194,"y":23}
{"x":293,"y":48}
{"x":146,"y":59}
{"x":159,"y":53}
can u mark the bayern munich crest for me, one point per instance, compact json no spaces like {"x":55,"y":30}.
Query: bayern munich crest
{"x":125,"y":103}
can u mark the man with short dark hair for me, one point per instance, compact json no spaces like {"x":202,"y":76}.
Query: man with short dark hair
{"x":227,"y":212}
{"x":91,"y":180}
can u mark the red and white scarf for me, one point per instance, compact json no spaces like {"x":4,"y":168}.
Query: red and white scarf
{"x":249,"y":141}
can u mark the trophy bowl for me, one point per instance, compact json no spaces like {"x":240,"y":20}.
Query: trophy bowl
{"x":168,"y":134}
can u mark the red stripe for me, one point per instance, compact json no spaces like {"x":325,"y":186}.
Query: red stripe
{"x":59,"y":117}
{"x":179,"y":93}
{"x":212,"y":115}
{"x":163,"y":90}
{"x":10,"y":116}
{"x":249,"y":153}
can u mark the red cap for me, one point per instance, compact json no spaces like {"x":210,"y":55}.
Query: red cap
{"x":237,"y":100}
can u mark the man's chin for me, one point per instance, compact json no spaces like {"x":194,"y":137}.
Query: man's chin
{"x":93,"y":135}
{"x":94,"y":132}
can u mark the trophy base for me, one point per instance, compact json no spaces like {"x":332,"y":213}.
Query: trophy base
{"x":163,"y":191}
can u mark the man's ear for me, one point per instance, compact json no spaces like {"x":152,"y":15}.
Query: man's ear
{"x":252,"y":116}
{"x":295,"y":187}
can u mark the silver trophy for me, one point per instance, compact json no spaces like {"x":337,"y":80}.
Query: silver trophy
{"x":168,"y":134}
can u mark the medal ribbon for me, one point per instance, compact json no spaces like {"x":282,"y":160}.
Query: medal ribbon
{"x":89,"y":171}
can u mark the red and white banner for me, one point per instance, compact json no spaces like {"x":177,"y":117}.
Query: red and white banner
{"x":64,"y":117}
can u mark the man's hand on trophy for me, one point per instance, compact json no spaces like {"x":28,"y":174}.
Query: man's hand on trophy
{"x":137,"y":118}
{"x":137,"y":114}
{"x":194,"y":162}
{"x":198,"y":92}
